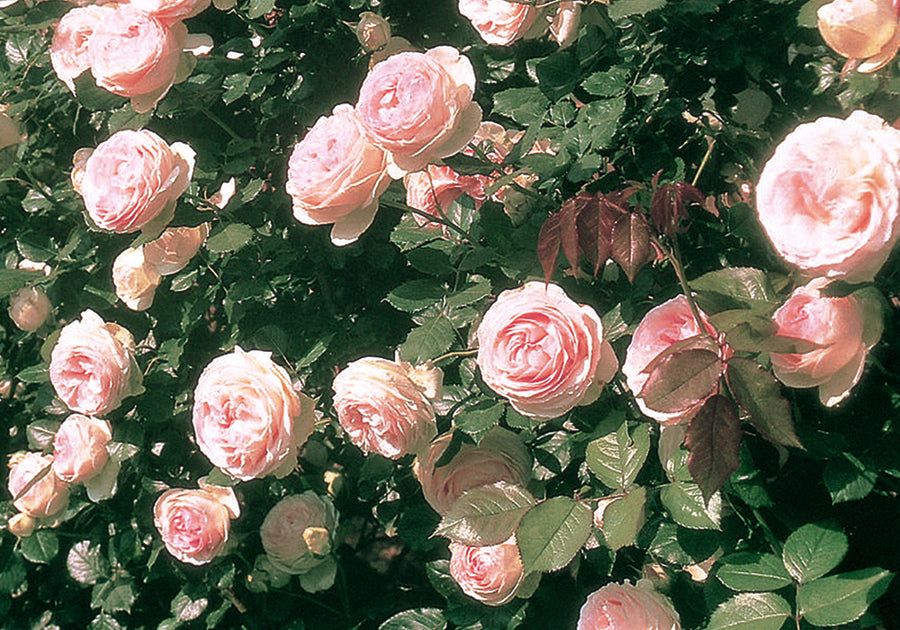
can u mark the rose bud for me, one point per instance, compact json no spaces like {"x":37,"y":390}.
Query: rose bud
{"x":861,"y":29}
{"x":21,"y":525}
{"x":372,"y":31}
{"x":135,"y":281}
{"x":29,"y":308}
{"x":48,"y":496}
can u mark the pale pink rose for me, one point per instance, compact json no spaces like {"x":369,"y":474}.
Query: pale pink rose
{"x":861,"y":29}
{"x":438,"y":187}
{"x":168,"y":11}
{"x":132,"y":179}
{"x":845,"y":328}
{"x":29,"y":308}
{"x":247,"y":417}
{"x":661,"y":327}
{"x":565,"y":23}
{"x":418,"y":107}
{"x":335,"y":175}
{"x":21,"y":525}
{"x":79,"y":448}
{"x":91,"y":365}
{"x":194,"y":524}
{"x":382,"y":408}
{"x":134,"y":279}
{"x":498,"y":21}
{"x":499,"y":456}
{"x":69,"y":49}
{"x":542,"y":351}
{"x":297,"y":532}
{"x":627,"y":607}
{"x":829,"y":198}
{"x":48,"y":496}
{"x":489,"y":574}
{"x":135,"y":55}
{"x":173,"y":250}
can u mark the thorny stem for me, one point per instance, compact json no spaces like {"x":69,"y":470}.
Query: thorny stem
{"x":459,"y":353}
{"x":674,"y":257}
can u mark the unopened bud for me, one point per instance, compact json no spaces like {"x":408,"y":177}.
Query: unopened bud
{"x":22,"y":525}
{"x":317,"y":540}
{"x":29,"y":308}
{"x":372,"y":31}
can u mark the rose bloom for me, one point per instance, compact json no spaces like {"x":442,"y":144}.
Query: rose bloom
{"x":845,"y":328}
{"x":194,"y":524}
{"x":135,"y":55}
{"x":499,"y":22}
{"x":173,"y":250}
{"x":135,"y":280}
{"x":79,"y":448}
{"x":69,"y":49}
{"x":383,"y":409}
{"x":499,"y":456}
{"x":438,"y":187}
{"x":418,"y":107}
{"x":662,"y":326}
{"x":91,"y":365}
{"x":296,"y":533}
{"x":829,"y":198}
{"x":29,"y":308}
{"x":489,"y":574}
{"x":861,"y":29}
{"x":335,"y":175}
{"x":132,"y":179}
{"x":169,"y":11}
{"x":47,"y":497}
{"x":542,"y":351}
{"x":627,"y":607}
{"x":248,"y":419}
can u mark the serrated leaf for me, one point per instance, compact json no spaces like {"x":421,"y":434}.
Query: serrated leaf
{"x":682,"y":380}
{"x":814,"y":550}
{"x":41,"y":433}
{"x":487,"y":515}
{"x":549,"y":243}
{"x":714,"y":440}
{"x":34,"y":374}
{"x":749,"y":571}
{"x":686,"y":505}
{"x":523,"y":105}
{"x":751,"y":611}
{"x":848,"y":479}
{"x":617,"y":458}
{"x":415,"y":295}
{"x":41,"y":547}
{"x":842,"y":598}
{"x":231,"y":238}
{"x":104,"y":621}
{"x":11,"y":280}
{"x":623,"y":518}
{"x":417,"y":619}
{"x":316,"y":351}
{"x":745,"y":285}
{"x":551,"y":533}
{"x":470,"y":294}
{"x":479,"y":418}
{"x":757,"y":392}
{"x":85,"y":563}
{"x":186,"y":608}
{"x":612,"y":82}
{"x":430,"y":340}
{"x":113,"y":596}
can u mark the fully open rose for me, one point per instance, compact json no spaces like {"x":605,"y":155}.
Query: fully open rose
{"x":627,"y":607}
{"x":132,"y":179}
{"x":499,"y":22}
{"x":845,"y":328}
{"x":91,"y":366}
{"x":829,"y":198}
{"x":79,"y":448}
{"x":419,"y":107}
{"x":542,"y":351}
{"x":335,"y":175}
{"x":69,"y":49}
{"x":499,"y":456}
{"x":48,"y":496}
{"x":386,"y":406}
{"x":297,"y":532}
{"x":194,"y":524}
{"x":489,"y":574}
{"x":247,"y":417}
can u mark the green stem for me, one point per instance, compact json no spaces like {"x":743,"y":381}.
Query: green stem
{"x":36,"y":185}
{"x":460,"y":353}
{"x":711,"y":142}
{"x":674,"y":257}
{"x":221,"y":123}
{"x":430,"y":217}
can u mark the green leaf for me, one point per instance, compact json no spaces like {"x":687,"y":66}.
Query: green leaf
{"x":751,"y":611}
{"x":602,"y":119}
{"x":316,"y":351}
{"x":617,"y":458}
{"x":430,"y":340}
{"x":745,"y":285}
{"x":612,"y":82}
{"x":649,"y":85}
{"x":848,"y":479}
{"x":487,"y":515}
{"x":814,"y":550}
{"x":417,"y":619}
{"x":626,"y":8}
{"x":41,"y":547}
{"x":557,"y":74}
{"x":687,"y":507}
{"x":471,"y":293}
{"x":259,"y":8}
{"x":409,"y":235}
{"x":523,"y":105}
{"x":842,"y":598}
{"x":41,"y":433}
{"x":11,"y":280}
{"x":219,"y":477}
{"x":231,"y":238}
{"x":682,"y":380}
{"x":480,"y":417}
{"x":85,"y":563}
{"x":186,"y":608}
{"x":104,"y":621}
{"x":714,"y":439}
{"x":113,"y":596}
{"x":416,"y":295}
{"x":807,"y":16}
{"x":749,"y":571}
{"x":623,"y":517}
{"x":34,"y":374}
{"x":756,"y":390}
{"x":551,"y":533}
{"x":95,"y":98}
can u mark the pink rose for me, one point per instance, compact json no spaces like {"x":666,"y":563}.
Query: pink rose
{"x":861,"y":29}
{"x":79,"y":448}
{"x":134,"y":279}
{"x":385,"y":407}
{"x":335,"y":175}
{"x":297,"y":532}
{"x":845,"y":328}
{"x":438,"y":187}
{"x":135,"y":55}
{"x":662,"y":326}
{"x":48,"y":496}
{"x":248,"y":419}
{"x":69,"y":50}
{"x":132,"y":179}
{"x":499,"y":456}
{"x":542,"y":351}
{"x":627,"y":607}
{"x":91,"y":366}
{"x":194,"y":524}
{"x":173,"y":250}
{"x":169,"y":11}
{"x":489,"y":574}
{"x":498,"y":21}
{"x":29,"y":308}
{"x":829,"y":198}
{"x":418,"y":107}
